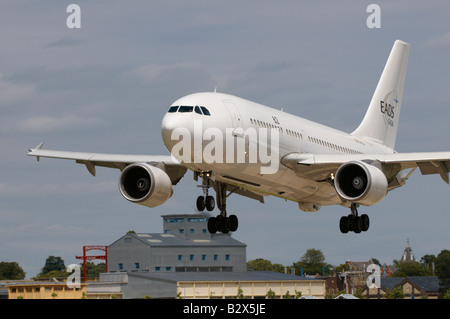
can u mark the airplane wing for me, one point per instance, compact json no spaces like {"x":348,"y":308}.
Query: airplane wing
{"x":167,"y":163}
{"x":320,"y":166}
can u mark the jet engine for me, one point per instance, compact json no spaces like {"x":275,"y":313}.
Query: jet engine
{"x":360,"y":183}
{"x":145,"y":185}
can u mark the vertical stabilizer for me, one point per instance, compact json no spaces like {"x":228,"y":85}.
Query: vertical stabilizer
{"x":381,"y":120}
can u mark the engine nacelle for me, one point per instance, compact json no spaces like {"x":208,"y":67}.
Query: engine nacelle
{"x":309,"y":207}
{"x":145,"y":185}
{"x":361,"y":183}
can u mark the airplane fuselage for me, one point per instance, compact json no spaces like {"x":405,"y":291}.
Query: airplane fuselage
{"x":235,"y":120}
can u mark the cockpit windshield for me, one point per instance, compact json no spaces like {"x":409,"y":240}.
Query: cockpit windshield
{"x":187,"y":109}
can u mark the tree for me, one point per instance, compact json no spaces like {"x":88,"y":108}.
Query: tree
{"x":410,"y":268}
{"x":11,"y":270}
{"x":93,"y":270}
{"x":261,"y":264}
{"x":443,"y":269}
{"x":312,"y":262}
{"x":52,"y":263}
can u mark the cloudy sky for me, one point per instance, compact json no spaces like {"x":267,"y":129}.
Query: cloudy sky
{"x":105,"y":88}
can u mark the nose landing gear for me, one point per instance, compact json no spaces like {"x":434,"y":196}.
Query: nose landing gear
{"x":205,"y":201}
{"x":221,"y":222}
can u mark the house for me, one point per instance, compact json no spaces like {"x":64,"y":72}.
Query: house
{"x":412,"y":286}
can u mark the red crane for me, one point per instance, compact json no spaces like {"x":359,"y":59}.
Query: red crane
{"x":85,"y":257}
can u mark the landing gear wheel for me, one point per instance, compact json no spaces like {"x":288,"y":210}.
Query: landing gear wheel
{"x":224,"y":224}
{"x":201,"y":203}
{"x":365,"y":222}
{"x":210,"y":203}
{"x":212,"y":225}
{"x":343,"y":224}
{"x":357,"y":224}
{"x":234,"y":223}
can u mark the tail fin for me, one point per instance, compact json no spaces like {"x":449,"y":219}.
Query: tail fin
{"x":381,"y":120}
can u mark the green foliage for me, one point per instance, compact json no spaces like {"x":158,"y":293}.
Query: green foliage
{"x":411,"y":268}
{"x":312,"y":262}
{"x":396,"y":293}
{"x":240,"y":294}
{"x":446,"y":295}
{"x":261,"y":264}
{"x":443,"y":269}
{"x":331,"y":294}
{"x":270,"y":294}
{"x":93,"y":270}
{"x":11,"y":270}
{"x":52,"y":263}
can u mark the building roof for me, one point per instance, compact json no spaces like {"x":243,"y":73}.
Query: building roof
{"x":346,"y":296}
{"x":390,"y":282}
{"x":219,"y":276}
{"x":426,"y":283}
{"x":167,"y":240}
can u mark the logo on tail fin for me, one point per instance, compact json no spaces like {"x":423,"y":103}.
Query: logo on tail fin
{"x":388,"y":109}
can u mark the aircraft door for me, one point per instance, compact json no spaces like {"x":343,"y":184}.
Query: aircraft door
{"x":305,"y":143}
{"x":234,"y":113}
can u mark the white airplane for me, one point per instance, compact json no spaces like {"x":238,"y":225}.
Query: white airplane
{"x":238,"y":146}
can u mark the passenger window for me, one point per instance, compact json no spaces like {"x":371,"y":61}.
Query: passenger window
{"x":185,"y":109}
{"x":197,"y":110}
{"x":205,"y":110}
{"x":173,"y":109}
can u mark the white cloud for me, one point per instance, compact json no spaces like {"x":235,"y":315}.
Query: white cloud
{"x":11,"y":93}
{"x":12,"y":190}
{"x":43,"y":124}
{"x":439,"y":41}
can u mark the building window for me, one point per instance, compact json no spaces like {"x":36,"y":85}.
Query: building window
{"x":180,"y":257}
{"x":216,"y":257}
{"x":191,"y":231}
{"x":203,"y":257}
{"x":181,"y":231}
{"x":168,"y":268}
{"x":136,"y":265}
{"x":174,"y":220}
{"x":191,"y":257}
{"x":227,"y":257}
{"x":197,"y":220}
{"x":204,"y":231}
{"x":120,"y":266}
{"x":157,"y":268}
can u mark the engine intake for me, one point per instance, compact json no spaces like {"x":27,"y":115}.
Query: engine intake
{"x":361,"y":183}
{"x":145,"y":185}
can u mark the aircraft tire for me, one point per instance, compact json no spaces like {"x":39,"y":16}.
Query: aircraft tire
{"x":210,"y":203}
{"x":343,"y":224}
{"x":201,"y":203}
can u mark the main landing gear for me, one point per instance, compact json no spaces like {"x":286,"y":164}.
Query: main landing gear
{"x":353,"y":222}
{"x":221,"y":222}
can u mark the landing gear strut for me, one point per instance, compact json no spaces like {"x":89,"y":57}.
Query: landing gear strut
{"x":205,"y":201}
{"x":353,"y":222}
{"x":221,"y":222}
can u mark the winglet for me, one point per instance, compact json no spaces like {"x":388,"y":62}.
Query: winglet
{"x":39,"y":147}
